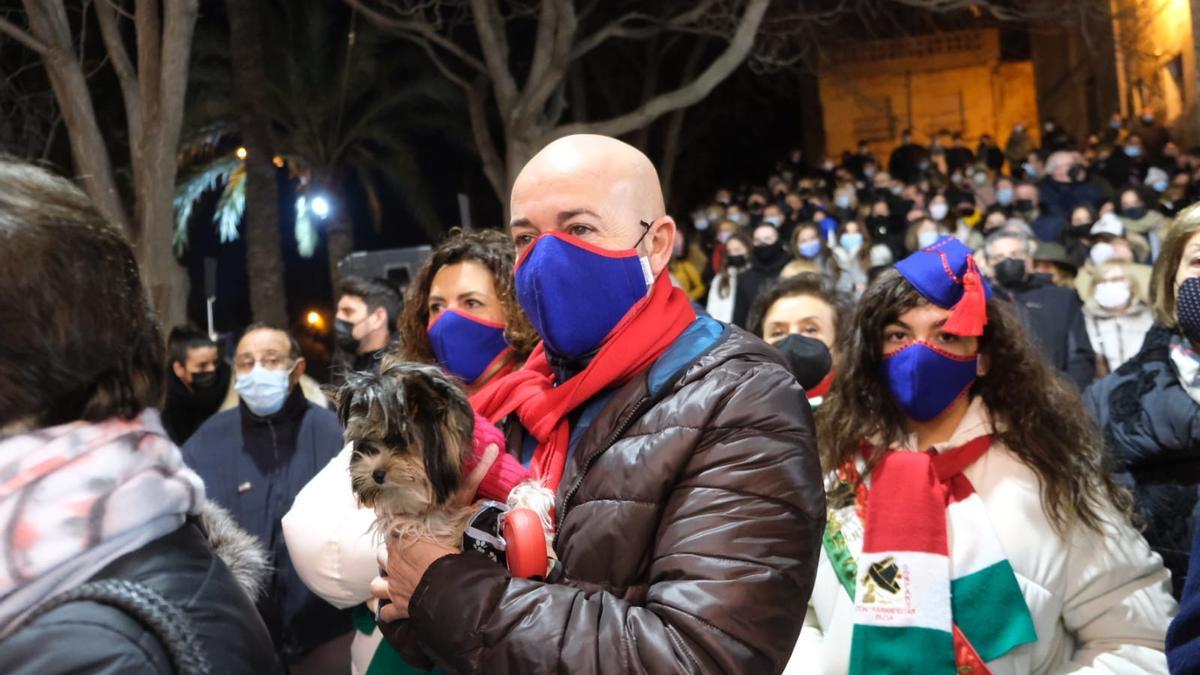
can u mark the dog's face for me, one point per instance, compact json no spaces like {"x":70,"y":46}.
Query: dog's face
{"x":411,"y":428}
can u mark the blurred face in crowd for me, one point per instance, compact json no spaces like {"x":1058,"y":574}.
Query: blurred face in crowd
{"x":938,"y":208}
{"x":269,"y":348}
{"x":725,"y":230}
{"x":1130,"y":200}
{"x":913,"y":194}
{"x":1008,"y":248}
{"x":1189,"y":264}
{"x":467,"y":287}
{"x":199,"y":360}
{"x":735,"y":248}
{"x":994,"y":221}
{"x":1081,"y":217}
{"x":1025,"y":197}
{"x":774,"y":215}
{"x":1113,"y":274}
{"x":880,"y":208}
{"x":723,"y":197}
{"x":801,"y":315}
{"x":1121,"y":251}
{"x":765,"y":235}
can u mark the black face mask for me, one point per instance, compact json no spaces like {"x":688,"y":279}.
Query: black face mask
{"x":1010,"y":273}
{"x":1079,"y":231}
{"x":1187,"y":308}
{"x":808,"y":359}
{"x":736,"y":261}
{"x":1077,"y":173}
{"x":1134,"y":213}
{"x":1024,"y":205}
{"x":766,"y":254}
{"x":203,"y":381}
{"x":343,"y":336}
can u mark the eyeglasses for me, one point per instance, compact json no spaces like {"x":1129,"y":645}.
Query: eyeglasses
{"x":271,"y":361}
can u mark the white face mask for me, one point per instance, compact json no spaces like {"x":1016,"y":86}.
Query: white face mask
{"x":264,"y":391}
{"x":1112,"y":294}
{"x":927,"y":238}
{"x":1102,"y":253}
{"x":938,"y":211}
{"x":774,"y":220}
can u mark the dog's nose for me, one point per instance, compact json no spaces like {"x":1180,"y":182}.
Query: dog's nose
{"x":379,"y":475}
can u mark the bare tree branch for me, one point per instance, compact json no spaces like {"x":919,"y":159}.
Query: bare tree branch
{"x":110,"y":32}
{"x":689,"y":93}
{"x":24,"y":37}
{"x":493,"y":39}
{"x":414,"y":30}
{"x":493,"y":164}
{"x":549,"y":64}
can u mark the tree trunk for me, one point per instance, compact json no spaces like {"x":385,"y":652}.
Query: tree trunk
{"x":338,"y":226}
{"x":260,"y":227}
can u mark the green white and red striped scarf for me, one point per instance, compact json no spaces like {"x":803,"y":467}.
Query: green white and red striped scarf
{"x":933,"y":591}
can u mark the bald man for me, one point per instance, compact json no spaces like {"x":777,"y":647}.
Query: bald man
{"x":689,"y":498}
{"x":1065,"y":186}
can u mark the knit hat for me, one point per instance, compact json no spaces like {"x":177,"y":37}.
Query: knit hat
{"x":946,"y":274}
{"x":1108,"y":224}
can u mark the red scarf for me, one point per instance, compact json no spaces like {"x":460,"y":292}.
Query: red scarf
{"x":645,"y":332}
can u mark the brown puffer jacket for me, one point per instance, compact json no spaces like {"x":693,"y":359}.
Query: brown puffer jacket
{"x":690,"y":514}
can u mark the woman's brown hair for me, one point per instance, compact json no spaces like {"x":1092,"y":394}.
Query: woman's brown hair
{"x":1039,"y":413}
{"x":490,"y":248}
{"x":80,"y":339}
{"x":1162,"y":280}
{"x":804,"y":284}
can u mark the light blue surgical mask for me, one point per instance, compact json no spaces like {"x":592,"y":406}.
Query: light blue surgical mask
{"x":927,"y":238}
{"x":842,"y":201}
{"x":264,"y":391}
{"x":774,"y":220}
{"x":851,"y":241}
{"x":1160,"y":186}
{"x":1004,"y":196}
{"x":810,"y":249}
{"x":1133,"y":151}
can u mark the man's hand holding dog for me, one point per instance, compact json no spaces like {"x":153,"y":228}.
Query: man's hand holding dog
{"x":405,"y":561}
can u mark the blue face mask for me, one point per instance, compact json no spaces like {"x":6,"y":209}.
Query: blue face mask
{"x":1133,"y":151}
{"x":927,"y":238}
{"x":925,"y":381}
{"x":1160,"y":186}
{"x":851,"y":241}
{"x":810,"y":249}
{"x":1004,"y":196}
{"x":842,"y":201}
{"x":575,"y":294}
{"x":466,"y":345}
{"x":264,"y":391}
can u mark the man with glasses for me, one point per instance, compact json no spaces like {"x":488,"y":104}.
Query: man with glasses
{"x":254,"y":459}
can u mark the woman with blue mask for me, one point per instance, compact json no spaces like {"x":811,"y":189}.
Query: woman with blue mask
{"x":922,"y":233}
{"x":969,"y":526}
{"x":854,"y":253}
{"x":461,"y":313}
{"x":809,"y":244}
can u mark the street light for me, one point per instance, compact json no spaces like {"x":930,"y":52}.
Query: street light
{"x":320,"y":206}
{"x":315,"y":320}
{"x":241,"y":152}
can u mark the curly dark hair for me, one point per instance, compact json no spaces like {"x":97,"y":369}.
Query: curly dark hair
{"x":490,"y":248}
{"x":806,"y":284}
{"x":1041,"y":413}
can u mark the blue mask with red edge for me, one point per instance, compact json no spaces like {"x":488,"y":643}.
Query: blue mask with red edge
{"x":924,"y":380}
{"x":466,"y":345}
{"x":575,"y":293}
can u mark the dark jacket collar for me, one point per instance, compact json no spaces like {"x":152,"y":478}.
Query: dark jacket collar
{"x":184,"y":410}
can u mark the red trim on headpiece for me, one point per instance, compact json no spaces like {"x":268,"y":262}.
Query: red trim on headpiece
{"x":969,"y":316}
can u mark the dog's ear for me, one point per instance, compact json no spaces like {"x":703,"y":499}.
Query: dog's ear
{"x":439,"y":412}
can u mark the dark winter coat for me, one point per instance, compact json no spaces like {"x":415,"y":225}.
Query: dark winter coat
{"x":185,"y":410}
{"x":1058,"y":199}
{"x":254,"y":467}
{"x":208,"y":568}
{"x":1053,"y":317}
{"x":689,"y":528}
{"x":1152,"y":428}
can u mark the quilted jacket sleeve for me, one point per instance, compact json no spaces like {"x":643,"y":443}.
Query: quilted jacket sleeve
{"x":728,"y":576}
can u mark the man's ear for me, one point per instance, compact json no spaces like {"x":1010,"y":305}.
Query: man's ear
{"x":381,"y":314}
{"x":179,"y":371}
{"x":660,"y":241}
{"x":298,"y":371}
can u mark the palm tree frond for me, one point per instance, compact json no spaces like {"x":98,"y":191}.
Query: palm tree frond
{"x":306,"y":233}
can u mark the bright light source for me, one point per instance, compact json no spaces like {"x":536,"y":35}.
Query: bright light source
{"x":315,"y":320}
{"x":320,"y":206}
{"x":277,"y":161}
{"x":241,"y":152}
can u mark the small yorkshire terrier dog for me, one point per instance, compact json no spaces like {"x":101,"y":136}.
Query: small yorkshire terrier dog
{"x":414,"y":437}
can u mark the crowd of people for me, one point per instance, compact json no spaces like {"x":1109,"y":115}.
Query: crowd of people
{"x":934,"y":413}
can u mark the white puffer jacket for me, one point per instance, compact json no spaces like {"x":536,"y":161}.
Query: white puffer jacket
{"x":333,"y":547}
{"x":1100,"y":602}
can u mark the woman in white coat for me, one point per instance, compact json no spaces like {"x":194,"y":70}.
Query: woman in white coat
{"x":972,"y":524}
{"x":461,"y":313}
{"x":1117,"y":320}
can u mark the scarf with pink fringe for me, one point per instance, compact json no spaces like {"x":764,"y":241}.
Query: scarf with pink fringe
{"x":75,"y":497}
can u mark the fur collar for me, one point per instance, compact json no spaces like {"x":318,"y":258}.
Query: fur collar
{"x":239,"y":550}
